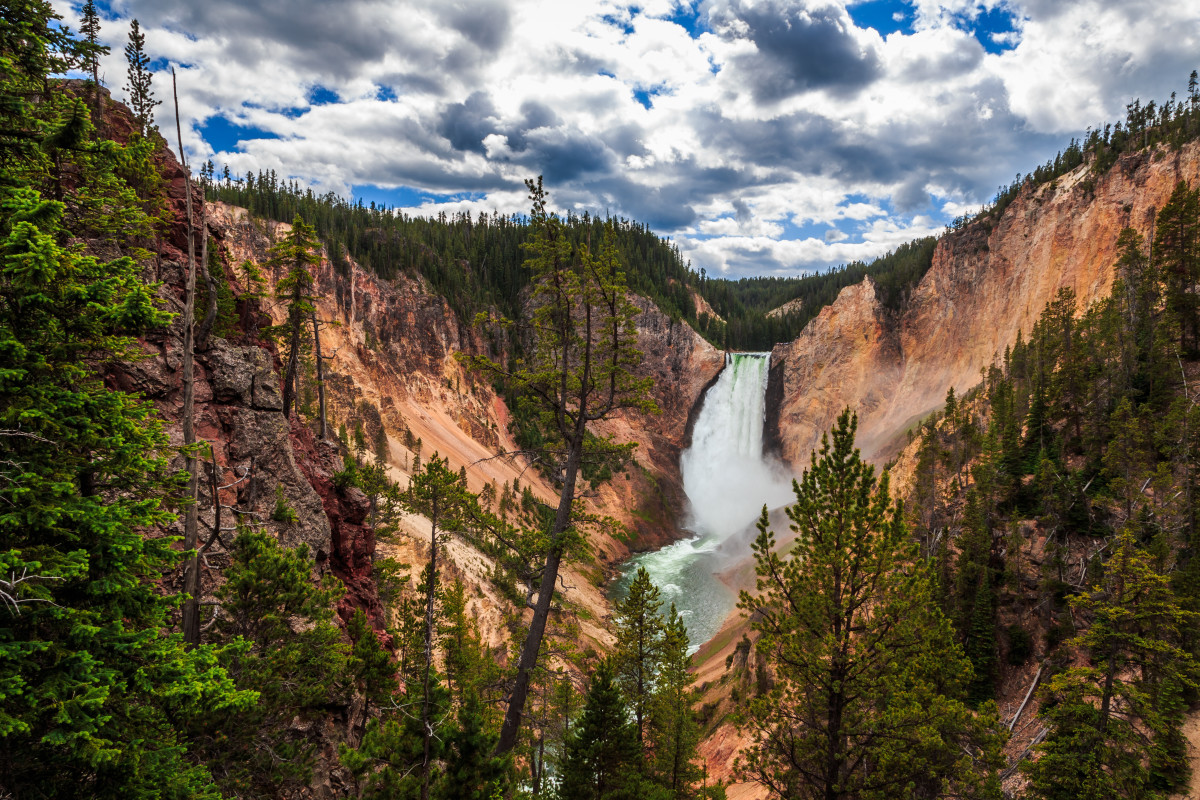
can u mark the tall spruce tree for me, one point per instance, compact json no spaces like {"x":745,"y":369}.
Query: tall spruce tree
{"x":297,"y":253}
{"x":441,"y":495}
{"x":1114,"y":719}
{"x":868,"y":697}
{"x":1177,"y":258}
{"x":639,"y":629}
{"x":673,"y":732}
{"x":89,"y":26}
{"x":138,"y":89}
{"x":298,"y":674}
{"x":603,"y":760}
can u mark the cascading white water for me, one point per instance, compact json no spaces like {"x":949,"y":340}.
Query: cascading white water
{"x":727,"y":481}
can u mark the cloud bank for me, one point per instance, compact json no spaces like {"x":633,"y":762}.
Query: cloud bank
{"x":764,"y":136}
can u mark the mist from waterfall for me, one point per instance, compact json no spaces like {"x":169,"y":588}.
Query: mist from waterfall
{"x":727,"y":480}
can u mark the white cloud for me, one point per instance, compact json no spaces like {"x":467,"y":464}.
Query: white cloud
{"x":782,"y":115}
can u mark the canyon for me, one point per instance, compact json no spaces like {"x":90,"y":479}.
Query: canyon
{"x":393,"y":370}
{"x":988,"y":282}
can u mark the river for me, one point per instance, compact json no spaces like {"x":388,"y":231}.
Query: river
{"x":727,"y":480}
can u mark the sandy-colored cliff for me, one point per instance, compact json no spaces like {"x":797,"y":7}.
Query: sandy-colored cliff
{"x":988,"y":281}
{"x":393,"y":368}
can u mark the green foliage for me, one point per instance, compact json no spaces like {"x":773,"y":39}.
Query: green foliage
{"x":1020,"y":645}
{"x":602,"y":751}
{"x":276,"y":637}
{"x":869,"y":683}
{"x":95,"y":694}
{"x":1112,"y":720}
{"x":283,"y":511}
{"x":225,"y":322}
{"x":33,"y":46}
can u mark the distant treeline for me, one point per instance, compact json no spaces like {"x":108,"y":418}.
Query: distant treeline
{"x":476,"y":263}
{"x":1174,"y":123}
{"x":743,"y":304}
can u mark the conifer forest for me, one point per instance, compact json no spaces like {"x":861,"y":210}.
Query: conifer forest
{"x":523,"y":428}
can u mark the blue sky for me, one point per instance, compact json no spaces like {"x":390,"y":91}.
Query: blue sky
{"x":764,"y":136}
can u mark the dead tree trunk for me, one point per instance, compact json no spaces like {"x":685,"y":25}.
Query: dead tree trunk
{"x":191,"y":567}
{"x":320,"y":374}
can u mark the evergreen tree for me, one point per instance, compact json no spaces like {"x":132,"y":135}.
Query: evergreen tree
{"x":473,"y":772}
{"x":1114,"y":719}
{"x":1177,"y":257}
{"x":139,"y":77}
{"x":603,"y":759}
{"x":89,"y":26}
{"x":578,"y":372}
{"x":298,"y":673}
{"x":387,"y":764}
{"x":95,"y":697}
{"x":673,"y":732}
{"x":867,"y":701}
{"x":441,"y":495}
{"x":639,"y":630}
{"x":297,"y":253}
{"x":471,"y":668}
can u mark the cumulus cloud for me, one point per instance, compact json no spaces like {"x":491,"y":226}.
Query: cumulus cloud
{"x":795,"y":47}
{"x":774,"y":136}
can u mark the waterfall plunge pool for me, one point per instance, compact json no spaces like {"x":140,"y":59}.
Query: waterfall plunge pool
{"x":727,"y":480}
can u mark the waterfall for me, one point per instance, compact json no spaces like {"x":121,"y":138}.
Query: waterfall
{"x":725,"y":476}
{"x":727,"y":480}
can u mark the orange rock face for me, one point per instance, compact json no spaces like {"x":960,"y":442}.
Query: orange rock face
{"x":988,"y":281}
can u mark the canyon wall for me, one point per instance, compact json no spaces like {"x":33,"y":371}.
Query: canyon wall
{"x":391,"y":365}
{"x":988,"y":281}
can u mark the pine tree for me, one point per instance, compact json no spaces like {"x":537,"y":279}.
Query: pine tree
{"x":297,"y":252}
{"x":297,"y":673}
{"x":580,"y":372}
{"x":472,"y":771}
{"x":1106,"y":716}
{"x":139,"y":77}
{"x":639,"y":630}
{"x":867,"y":700}
{"x":603,"y":759}
{"x":673,"y":731}
{"x":387,"y":763}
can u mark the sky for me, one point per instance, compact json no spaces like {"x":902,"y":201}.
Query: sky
{"x":764,"y":137}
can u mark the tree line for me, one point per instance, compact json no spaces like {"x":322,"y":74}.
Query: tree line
{"x":1171,"y":123}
